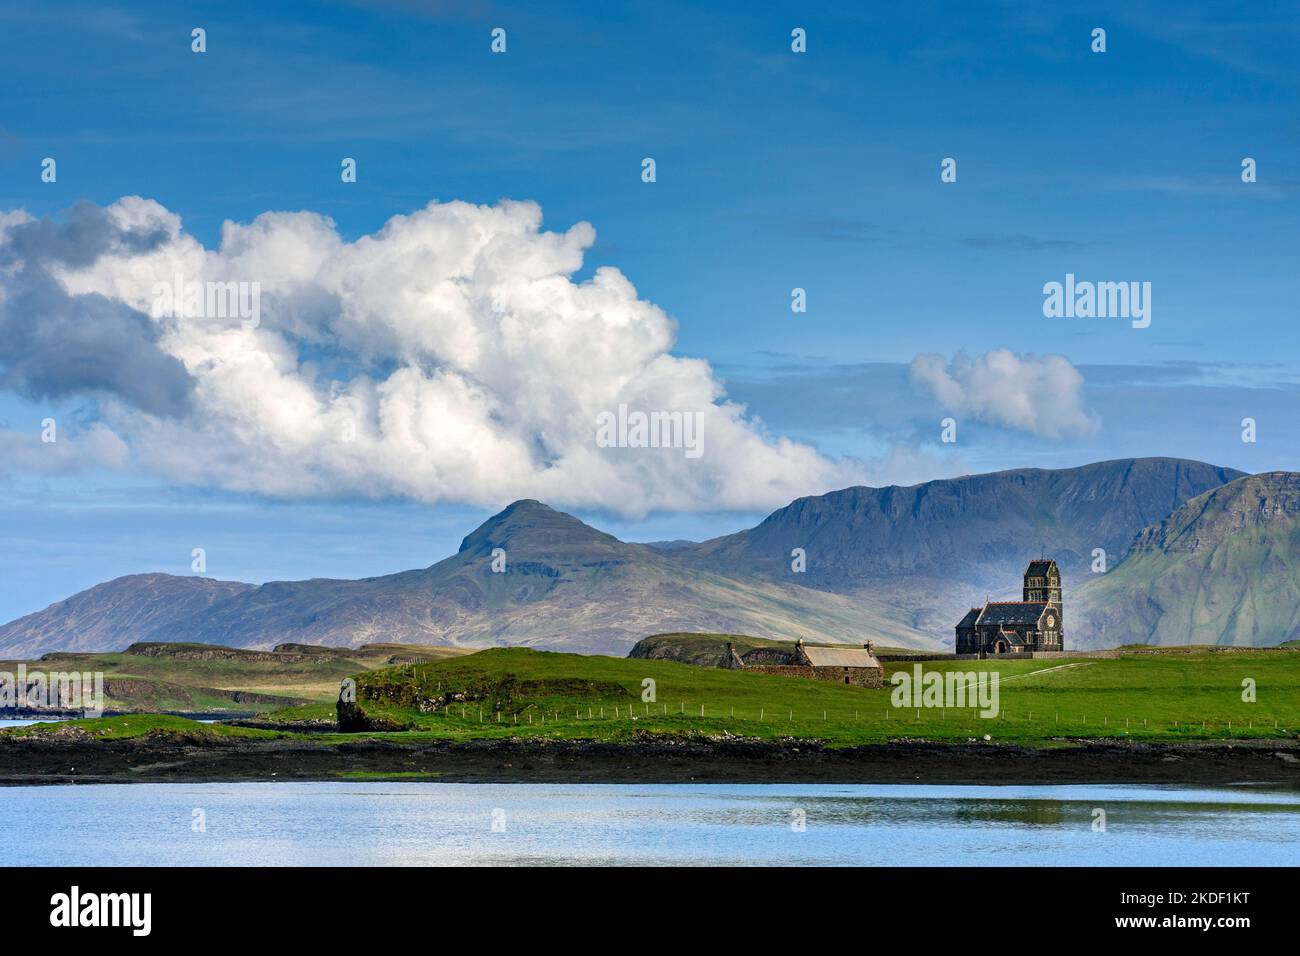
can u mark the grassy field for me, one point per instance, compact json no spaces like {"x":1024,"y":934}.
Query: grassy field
{"x":1188,"y":695}
{"x":131,"y":726}
{"x":504,"y":692}
{"x":212,"y":679}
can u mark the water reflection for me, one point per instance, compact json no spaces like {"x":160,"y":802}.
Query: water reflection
{"x":460,"y":824}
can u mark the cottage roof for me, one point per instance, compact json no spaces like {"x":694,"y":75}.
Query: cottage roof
{"x":840,"y":657}
{"x":1012,"y":613}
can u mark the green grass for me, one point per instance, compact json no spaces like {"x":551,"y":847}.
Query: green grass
{"x":307,"y":714}
{"x":514,"y":692}
{"x":509,"y":692}
{"x":128,"y":726}
{"x":1233,"y":589}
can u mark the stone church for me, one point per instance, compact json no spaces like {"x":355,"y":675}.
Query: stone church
{"x":1018,"y":627}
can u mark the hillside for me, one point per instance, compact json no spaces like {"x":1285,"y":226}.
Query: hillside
{"x":204,"y":678}
{"x":705,"y":650}
{"x":212,"y":679}
{"x":933,"y":550}
{"x":1222,"y":569}
{"x":896,"y":566}
{"x":977,"y":529}
{"x":117,"y":613}
{"x":566,"y":586}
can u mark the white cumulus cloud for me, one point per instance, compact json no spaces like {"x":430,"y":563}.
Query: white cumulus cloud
{"x":450,"y":356}
{"x":1039,"y":394}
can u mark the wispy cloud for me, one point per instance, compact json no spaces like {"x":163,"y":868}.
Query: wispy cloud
{"x":1227,"y":183}
{"x":1018,"y":242}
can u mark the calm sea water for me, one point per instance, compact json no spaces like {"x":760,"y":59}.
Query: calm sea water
{"x":456,"y":824}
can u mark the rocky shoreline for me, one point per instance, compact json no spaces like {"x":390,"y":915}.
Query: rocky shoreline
{"x":178,"y":758}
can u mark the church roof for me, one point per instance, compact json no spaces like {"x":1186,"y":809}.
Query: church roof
{"x":1039,"y":568}
{"x":1012,"y":613}
{"x":971,"y":617}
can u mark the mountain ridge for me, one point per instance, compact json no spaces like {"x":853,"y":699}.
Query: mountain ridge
{"x":897,"y":565}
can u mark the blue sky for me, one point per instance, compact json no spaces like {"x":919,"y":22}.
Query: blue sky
{"x":774,"y":171}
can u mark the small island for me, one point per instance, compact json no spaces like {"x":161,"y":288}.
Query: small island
{"x":674,"y":710}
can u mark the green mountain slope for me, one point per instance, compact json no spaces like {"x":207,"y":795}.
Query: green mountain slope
{"x":1222,"y":569}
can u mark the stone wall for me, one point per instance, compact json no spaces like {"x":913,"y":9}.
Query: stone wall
{"x":1107,"y":654}
{"x":1053,"y":655}
{"x":1010,"y":655}
{"x":855,"y":676}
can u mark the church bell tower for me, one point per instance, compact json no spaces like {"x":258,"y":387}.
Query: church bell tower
{"x":1043,"y":584}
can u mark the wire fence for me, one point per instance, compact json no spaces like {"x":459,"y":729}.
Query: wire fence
{"x":908,"y":721}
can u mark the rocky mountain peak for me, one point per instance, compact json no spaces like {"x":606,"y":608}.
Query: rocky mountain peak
{"x":1211,"y":518}
{"x":531,"y":526}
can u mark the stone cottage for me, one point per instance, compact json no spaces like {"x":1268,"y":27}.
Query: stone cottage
{"x":856,"y":666}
